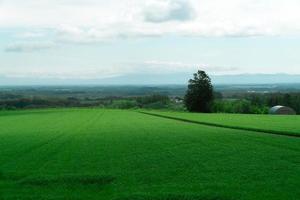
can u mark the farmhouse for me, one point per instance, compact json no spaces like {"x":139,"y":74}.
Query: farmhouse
{"x":282,"y":110}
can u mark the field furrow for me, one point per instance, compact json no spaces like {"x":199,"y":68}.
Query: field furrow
{"x":279,"y":125}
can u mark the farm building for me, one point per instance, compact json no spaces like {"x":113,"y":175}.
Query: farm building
{"x":282,"y":110}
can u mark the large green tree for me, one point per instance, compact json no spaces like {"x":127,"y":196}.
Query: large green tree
{"x":199,"y":95}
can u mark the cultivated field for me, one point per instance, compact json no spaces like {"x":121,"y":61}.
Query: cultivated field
{"x":128,"y":155}
{"x":276,"y":124}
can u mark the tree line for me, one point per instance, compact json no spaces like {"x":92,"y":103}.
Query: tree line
{"x":155,"y":101}
{"x":200,"y":97}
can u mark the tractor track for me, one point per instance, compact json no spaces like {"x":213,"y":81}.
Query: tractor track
{"x":272,"y":132}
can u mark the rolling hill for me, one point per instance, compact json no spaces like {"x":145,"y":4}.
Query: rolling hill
{"x":128,"y":155}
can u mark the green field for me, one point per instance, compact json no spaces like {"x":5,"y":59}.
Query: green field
{"x":127,"y":155}
{"x":277,"y":124}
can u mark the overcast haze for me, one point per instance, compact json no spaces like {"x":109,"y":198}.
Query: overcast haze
{"x":84,"y":40}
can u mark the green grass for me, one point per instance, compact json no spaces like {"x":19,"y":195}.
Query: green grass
{"x":126,"y":155}
{"x":277,"y":124}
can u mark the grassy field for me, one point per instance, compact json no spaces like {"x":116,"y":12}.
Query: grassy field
{"x":127,"y":155}
{"x":287,"y":125}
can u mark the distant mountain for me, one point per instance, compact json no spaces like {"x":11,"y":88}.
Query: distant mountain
{"x":158,"y":79}
{"x":256,"y":79}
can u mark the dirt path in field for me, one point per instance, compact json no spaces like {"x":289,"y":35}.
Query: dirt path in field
{"x":273,"y":132}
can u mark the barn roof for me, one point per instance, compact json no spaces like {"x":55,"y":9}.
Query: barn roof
{"x":278,"y":109}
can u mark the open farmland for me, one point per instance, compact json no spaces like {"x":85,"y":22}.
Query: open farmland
{"x":128,"y":155}
{"x":276,"y":124}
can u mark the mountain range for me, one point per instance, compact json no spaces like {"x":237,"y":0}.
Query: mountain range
{"x":157,"y":79}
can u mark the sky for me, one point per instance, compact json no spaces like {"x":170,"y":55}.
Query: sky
{"x":86,"y":40}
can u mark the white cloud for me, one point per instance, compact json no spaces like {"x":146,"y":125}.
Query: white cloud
{"x":116,"y":70}
{"x":75,"y":34}
{"x":57,"y":72}
{"x":93,"y":21}
{"x":168,"y":10}
{"x":31,"y":34}
{"x":167,"y":67}
{"x":29,"y":46}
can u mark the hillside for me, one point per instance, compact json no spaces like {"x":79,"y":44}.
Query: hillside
{"x":128,"y":155}
{"x":272,"y":124}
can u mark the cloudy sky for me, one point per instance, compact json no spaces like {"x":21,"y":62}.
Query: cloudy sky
{"x":97,"y":39}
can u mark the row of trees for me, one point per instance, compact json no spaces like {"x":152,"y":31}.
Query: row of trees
{"x":287,"y":99}
{"x":155,"y":101}
{"x":200,"y":97}
{"x":238,"y":106}
{"x":26,"y":103}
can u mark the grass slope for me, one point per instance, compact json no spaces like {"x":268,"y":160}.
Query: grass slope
{"x":276,"y":124}
{"x":125,"y":155}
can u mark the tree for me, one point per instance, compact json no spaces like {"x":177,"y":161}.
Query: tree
{"x":199,"y":95}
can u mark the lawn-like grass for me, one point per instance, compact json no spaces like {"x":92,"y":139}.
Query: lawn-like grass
{"x":126,"y":155}
{"x":277,"y":124}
